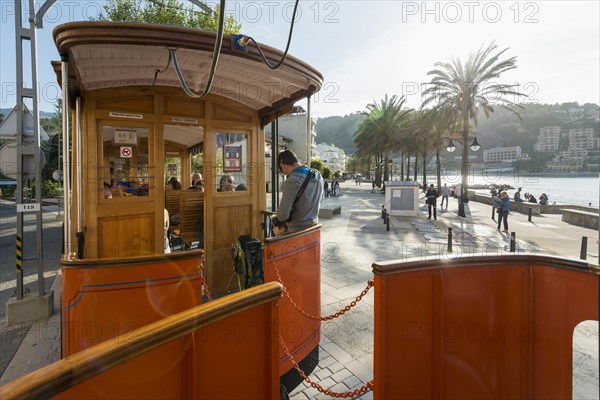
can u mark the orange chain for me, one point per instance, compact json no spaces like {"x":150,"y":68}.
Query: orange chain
{"x":343,"y":311}
{"x":355,"y":393}
{"x":204,"y":285}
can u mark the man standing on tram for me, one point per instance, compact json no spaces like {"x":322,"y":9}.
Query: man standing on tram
{"x":302,"y":195}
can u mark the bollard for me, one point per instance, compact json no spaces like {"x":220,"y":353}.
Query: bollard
{"x":583,"y":252}
{"x":382,"y":212}
{"x":387,"y":222}
{"x":529,"y":217}
{"x":512,"y":242}
{"x":449,"y":240}
{"x":494,"y":213}
{"x":384,"y":216}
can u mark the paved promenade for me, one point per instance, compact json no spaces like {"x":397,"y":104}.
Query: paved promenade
{"x":350,"y":243}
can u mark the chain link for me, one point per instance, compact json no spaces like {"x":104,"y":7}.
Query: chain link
{"x":343,"y":311}
{"x":340,"y":395}
{"x":200,"y":266}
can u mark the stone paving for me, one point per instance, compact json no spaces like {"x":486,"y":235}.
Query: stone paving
{"x":350,"y":243}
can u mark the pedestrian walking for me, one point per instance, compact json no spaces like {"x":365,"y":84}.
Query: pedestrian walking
{"x":431,"y":201}
{"x":503,"y":207}
{"x":445,"y":194}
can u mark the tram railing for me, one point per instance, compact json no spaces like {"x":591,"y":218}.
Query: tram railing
{"x":227,"y":346}
{"x":294,"y":260}
{"x":480,"y":326}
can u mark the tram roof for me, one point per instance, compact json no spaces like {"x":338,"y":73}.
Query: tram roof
{"x":116,"y":54}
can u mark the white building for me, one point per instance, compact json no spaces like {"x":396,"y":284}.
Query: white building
{"x":583,"y":139}
{"x":548,"y":139}
{"x":332,"y":156}
{"x":293,"y":127}
{"x":502,"y":154}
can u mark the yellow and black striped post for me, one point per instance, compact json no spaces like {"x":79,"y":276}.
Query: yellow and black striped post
{"x":19,"y":266}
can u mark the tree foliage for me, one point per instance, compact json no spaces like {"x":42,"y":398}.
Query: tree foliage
{"x":318,"y":165}
{"x":471,"y":87}
{"x":166,"y":12}
{"x":339,"y":130}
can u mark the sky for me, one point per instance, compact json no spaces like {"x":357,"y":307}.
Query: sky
{"x":367,"y":49}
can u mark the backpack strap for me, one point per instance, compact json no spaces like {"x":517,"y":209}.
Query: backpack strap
{"x":300,"y":192}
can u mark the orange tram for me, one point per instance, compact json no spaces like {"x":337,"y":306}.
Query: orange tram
{"x":135,"y":323}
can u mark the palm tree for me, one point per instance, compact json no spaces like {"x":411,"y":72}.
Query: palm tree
{"x":439,"y":122}
{"x":470,"y":87}
{"x":381,"y":133}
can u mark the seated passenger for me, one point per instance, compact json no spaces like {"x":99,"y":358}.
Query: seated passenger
{"x":173,"y":184}
{"x":226,"y":184}
{"x":195,"y":178}
{"x":197,"y":182}
{"x":167,"y":247}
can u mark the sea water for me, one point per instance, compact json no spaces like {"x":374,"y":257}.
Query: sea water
{"x":561,"y":189}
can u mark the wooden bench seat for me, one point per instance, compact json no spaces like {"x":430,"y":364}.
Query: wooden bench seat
{"x":327,"y":212}
{"x":172,"y":201}
{"x":191,"y":216}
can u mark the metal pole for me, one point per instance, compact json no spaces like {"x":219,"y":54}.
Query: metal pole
{"x":583,"y":252}
{"x":20,"y":112}
{"x":493,"y":213}
{"x":529,"y":215}
{"x":308,"y":132}
{"x":382,"y":212}
{"x":66,"y":158}
{"x":78,"y":168}
{"x":39,"y":256}
{"x":513,"y":239}
{"x":273,"y":167}
{"x":449,"y":240}
{"x":387,"y":222}
{"x":276,"y":153}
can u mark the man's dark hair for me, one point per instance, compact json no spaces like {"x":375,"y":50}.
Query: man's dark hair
{"x":287,"y":157}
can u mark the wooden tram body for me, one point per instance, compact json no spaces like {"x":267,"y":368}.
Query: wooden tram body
{"x":130,"y":119}
{"x":474,"y":326}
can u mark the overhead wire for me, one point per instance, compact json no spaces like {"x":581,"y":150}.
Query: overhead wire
{"x":161,"y":4}
{"x":245,"y":39}
{"x":215,"y":58}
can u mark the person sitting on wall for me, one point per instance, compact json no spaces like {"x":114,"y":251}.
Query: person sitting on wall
{"x":517,"y":197}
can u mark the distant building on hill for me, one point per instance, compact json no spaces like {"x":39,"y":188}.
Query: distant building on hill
{"x":332,"y":156}
{"x":502,"y":154}
{"x":584,"y":145}
{"x":548,"y":139}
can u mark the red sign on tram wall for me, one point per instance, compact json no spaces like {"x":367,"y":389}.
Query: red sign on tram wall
{"x":126,"y":151}
{"x":232,"y":158}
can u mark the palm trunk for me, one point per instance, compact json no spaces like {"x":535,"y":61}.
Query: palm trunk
{"x":465,"y":163}
{"x":424,"y":168}
{"x":402,"y":166}
{"x":416,"y":171}
{"x":408,"y":167}
{"x":438,"y":169}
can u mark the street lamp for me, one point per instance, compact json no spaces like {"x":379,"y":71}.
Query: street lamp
{"x":474,"y":146}
{"x":450,"y":148}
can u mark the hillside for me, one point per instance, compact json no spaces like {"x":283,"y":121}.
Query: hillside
{"x":502,"y":128}
{"x":339,"y":131}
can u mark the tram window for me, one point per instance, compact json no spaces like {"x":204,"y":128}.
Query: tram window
{"x":125,"y":168}
{"x":232,"y":169}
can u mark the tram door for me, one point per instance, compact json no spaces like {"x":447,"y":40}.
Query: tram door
{"x":125,"y":187}
{"x":232,"y":193}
